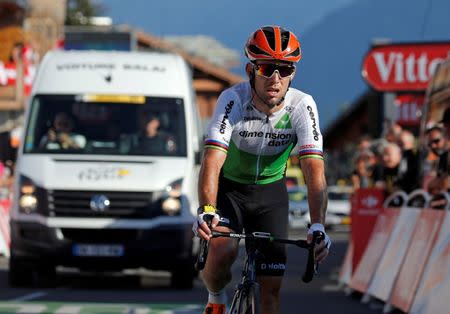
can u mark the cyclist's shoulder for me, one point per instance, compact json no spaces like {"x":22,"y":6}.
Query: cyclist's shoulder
{"x":299,"y":102}
{"x":295,"y":96}
{"x":238,"y":94}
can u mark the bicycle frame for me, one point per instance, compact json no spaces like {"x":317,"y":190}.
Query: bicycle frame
{"x":247,"y":291}
{"x":246,"y":295}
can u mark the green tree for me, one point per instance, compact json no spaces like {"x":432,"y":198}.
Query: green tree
{"x":79,"y":12}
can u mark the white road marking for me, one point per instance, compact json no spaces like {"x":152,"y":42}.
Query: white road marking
{"x":69,"y":309}
{"x":137,"y":311}
{"x":25,"y":308}
{"x":331,"y":288}
{"x":30,"y":296}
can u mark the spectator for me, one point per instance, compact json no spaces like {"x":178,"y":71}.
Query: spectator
{"x":394,"y":174}
{"x":438,"y":138}
{"x":393,"y":133}
{"x":364,"y":165}
{"x":364,"y":143}
{"x":151,"y":140}
{"x":61,"y":135}
{"x":437,"y":185}
{"x":446,"y":122}
{"x":407,"y":143}
{"x":438,"y":146}
{"x":444,"y":161}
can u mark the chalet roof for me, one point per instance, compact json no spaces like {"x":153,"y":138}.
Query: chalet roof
{"x":208,"y":48}
{"x":197,"y":62}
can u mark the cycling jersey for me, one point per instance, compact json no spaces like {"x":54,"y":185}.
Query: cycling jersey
{"x":258,"y":145}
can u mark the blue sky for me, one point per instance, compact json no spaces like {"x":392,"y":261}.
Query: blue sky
{"x":228,"y":21}
{"x":335,"y":34}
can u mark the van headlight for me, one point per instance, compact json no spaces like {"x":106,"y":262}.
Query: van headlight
{"x":170,"y":201}
{"x":28,"y":202}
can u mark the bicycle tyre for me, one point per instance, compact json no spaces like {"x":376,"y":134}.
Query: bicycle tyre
{"x":236,"y":303}
{"x":246,"y":300}
{"x":253,"y":300}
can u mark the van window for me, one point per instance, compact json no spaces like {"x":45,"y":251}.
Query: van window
{"x":152,"y":126}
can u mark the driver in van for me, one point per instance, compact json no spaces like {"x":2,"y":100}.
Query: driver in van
{"x":151,"y":139}
{"x":61,"y":135}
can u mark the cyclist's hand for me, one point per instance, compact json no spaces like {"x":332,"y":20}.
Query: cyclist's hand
{"x":323,"y":247}
{"x":206,"y":220}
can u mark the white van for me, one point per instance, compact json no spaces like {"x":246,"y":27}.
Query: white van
{"x":95,"y":189}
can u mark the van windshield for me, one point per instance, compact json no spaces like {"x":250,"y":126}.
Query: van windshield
{"x":106,"y":125}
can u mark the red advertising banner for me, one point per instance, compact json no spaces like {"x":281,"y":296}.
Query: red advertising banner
{"x":369,"y":261}
{"x":394,"y":254}
{"x":367,"y":205}
{"x":420,"y":246}
{"x":403,"y":67}
{"x":434,"y":290}
{"x":408,"y":109}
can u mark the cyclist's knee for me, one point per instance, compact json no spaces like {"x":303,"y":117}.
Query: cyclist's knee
{"x":223,"y":251}
{"x":270,"y":286}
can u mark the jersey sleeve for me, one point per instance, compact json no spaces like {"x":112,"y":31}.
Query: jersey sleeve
{"x":220,"y":127}
{"x":310,"y":142}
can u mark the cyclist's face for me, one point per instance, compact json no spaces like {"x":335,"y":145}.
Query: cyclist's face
{"x":272,"y":80}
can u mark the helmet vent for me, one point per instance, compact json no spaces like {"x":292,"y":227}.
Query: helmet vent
{"x":294,"y":53}
{"x":270,"y":35}
{"x":255,"y":50}
{"x":285,"y":36}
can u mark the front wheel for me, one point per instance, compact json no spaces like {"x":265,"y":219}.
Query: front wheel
{"x":246,"y":300}
{"x":253,"y":300}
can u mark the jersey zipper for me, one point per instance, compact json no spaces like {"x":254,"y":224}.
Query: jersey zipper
{"x":266,"y":122}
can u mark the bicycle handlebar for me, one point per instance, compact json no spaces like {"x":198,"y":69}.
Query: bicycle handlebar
{"x":311,"y":265}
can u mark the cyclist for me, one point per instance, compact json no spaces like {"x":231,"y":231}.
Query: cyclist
{"x":255,"y":126}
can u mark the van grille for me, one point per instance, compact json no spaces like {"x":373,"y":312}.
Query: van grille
{"x":122,"y":204}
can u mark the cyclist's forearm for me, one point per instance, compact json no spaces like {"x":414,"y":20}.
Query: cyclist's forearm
{"x":318,"y":200}
{"x":314,"y":173}
{"x":209,"y":176}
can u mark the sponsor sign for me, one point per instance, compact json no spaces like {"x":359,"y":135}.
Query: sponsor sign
{"x":367,"y":205}
{"x":377,"y":243}
{"x":432,"y":295}
{"x":403,"y":67}
{"x":422,"y":241}
{"x":408,"y":109}
{"x":394,"y":254}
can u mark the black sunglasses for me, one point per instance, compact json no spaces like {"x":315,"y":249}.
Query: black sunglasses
{"x":435,"y":141}
{"x":267,"y":69}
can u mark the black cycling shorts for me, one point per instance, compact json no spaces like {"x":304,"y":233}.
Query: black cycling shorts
{"x":258,"y":207}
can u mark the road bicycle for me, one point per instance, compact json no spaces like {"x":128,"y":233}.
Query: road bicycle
{"x":246,"y":298}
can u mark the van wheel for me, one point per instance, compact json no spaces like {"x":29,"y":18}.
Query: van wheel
{"x":20,"y":274}
{"x":183,"y":276}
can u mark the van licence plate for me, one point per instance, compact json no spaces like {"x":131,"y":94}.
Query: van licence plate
{"x":98,"y":250}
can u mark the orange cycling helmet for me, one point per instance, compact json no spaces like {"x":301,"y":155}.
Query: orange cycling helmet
{"x":273,"y":43}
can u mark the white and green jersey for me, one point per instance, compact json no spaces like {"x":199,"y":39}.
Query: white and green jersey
{"x":258,"y":145}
